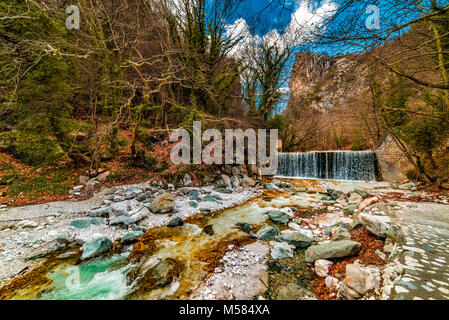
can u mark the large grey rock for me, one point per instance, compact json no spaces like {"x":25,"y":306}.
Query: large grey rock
{"x":298,"y":239}
{"x":163,"y":203}
{"x":279,"y":216}
{"x":127,"y":212}
{"x":281,"y":250}
{"x":378,"y":225}
{"x":359,"y":280}
{"x":266,"y":232}
{"x":334,"y":249}
{"x":100,"y":212}
{"x":97,"y":247}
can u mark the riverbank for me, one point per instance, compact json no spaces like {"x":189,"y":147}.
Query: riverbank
{"x":249,"y":251}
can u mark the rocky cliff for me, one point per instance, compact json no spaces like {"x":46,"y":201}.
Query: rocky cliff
{"x":325,"y":83}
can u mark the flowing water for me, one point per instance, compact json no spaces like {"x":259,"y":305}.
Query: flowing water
{"x":190,"y":250}
{"x":337,"y":165}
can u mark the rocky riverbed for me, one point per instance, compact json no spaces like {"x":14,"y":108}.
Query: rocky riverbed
{"x":281,"y":239}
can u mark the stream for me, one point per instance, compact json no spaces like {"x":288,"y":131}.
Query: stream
{"x":167,"y":263}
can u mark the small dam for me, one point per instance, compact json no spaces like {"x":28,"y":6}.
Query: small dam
{"x":332,"y":165}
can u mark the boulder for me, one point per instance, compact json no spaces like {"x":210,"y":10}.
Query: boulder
{"x":161,"y":275}
{"x":368,"y":203}
{"x":266,"y":232}
{"x":279,"y":216}
{"x":100,"y":212}
{"x":361,"y":193}
{"x":334,"y":249}
{"x":97,"y":247}
{"x":127,"y":212}
{"x":102,"y":177}
{"x":281,"y":250}
{"x":349,"y":209}
{"x":177,"y":222}
{"x":341,"y":234}
{"x":359,"y":280}
{"x":297,"y":239}
{"x":248,"y":182}
{"x":355,"y":198}
{"x":378,"y":225}
{"x":131,"y":237}
{"x":163,"y":203}
{"x":322,"y":267}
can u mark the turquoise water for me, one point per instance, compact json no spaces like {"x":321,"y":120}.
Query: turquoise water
{"x":100,"y":279}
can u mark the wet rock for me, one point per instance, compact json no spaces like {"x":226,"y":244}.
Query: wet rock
{"x":223,"y":190}
{"x":97,"y":247}
{"x":205,"y":211}
{"x":193,"y":204}
{"x":194,"y":195}
{"x":67,"y":255}
{"x":163,"y":203}
{"x":209,"y":230}
{"x":293,"y":291}
{"x":377,"y":225}
{"x":131,"y":237}
{"x":279,"y":216}
{"x":341,"y":234}
{"x":266,"y":232}
{"x":281,"y":250}
{"x":297,"y":239}
{"x":245,"y":226}
{"x":334,"y":249}
{"x":322,"y":267}
{"x":177,"y":222}
{"x":161,"y":275}
{"x":127,"y":212}
{"x":271,"y":186}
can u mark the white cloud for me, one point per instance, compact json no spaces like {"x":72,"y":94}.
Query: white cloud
{"x":305,"y":23}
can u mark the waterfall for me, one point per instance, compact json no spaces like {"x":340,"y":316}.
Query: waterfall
{"x":333,"y":165}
